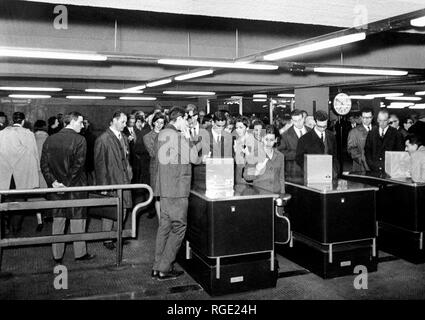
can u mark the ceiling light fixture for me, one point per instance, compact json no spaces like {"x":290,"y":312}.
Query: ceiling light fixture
{"x":114,"y":90}
{"x":198,"y":93}
{"x":138,"y":98}
{"x":360,"y":97}
{"x":286,"y":95}
{"x":364,"y":71}
{"x":194,"y":75}
{"x":384,"y":95}
{"x":399,"y":105}
{"x":86,"y":97}
{"x":404,"y":98}
{"x":420,"y":93}
{"x":217,"y":64}
{"x":30,"y":89}
{"x":30,"y":96}
{"x":46,"y":54}
{"x":259,"y":100}
{"x":417,"y":106}
{"x":158,"y":83}
{"x":418,"y":22}
{"x":330,"y":43}
{"x":260,"y":96}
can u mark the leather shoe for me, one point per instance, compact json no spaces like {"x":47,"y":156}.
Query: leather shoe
{"x":87,"y":256}
{"x":154,"y":273}
{"x":109,"y":245}
{"x":173,"y":274}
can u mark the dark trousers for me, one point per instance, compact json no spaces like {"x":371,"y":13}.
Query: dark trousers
{"x":171,"y":232}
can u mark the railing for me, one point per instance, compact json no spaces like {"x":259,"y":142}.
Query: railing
{"x":39,"y":203}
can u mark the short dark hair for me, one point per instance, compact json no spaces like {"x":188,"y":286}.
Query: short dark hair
{"x":40,"y":125}
{"x":117,"y":114}
{"x":219,"y":116}
{"x":158,"y":115}
{"x":270,"y":129}
{"x":2,"y":114}
{"x":73,"y":115}
{"x":243,"y":119}
{"x":414,"y":139}
{"x":18,"y":117}
{"x":258,"y":123}
{"x":366,"y":110}
{"x":296,"y":112}
{"x":176,"y":112}
{"x":51,"y":121}
{"x":303,"y":111}
{"x":321,"y":116}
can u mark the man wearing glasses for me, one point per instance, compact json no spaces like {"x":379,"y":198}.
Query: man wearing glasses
{"x":357,"y":139}
{"x":318,"y":141}
{"x":381,"y":139}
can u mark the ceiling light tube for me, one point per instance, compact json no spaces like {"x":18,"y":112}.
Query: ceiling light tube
{"x":260,"y":96}
{"x":404,"y":98}
{"x":199,"y":93}
{"x":417,"y":106}
{"x":259,"y":100}
{"x":217,"y":64}
{"x":114,"y":90}
{"x":399,"y":105}
{"x":330,"y":43}
{"x":418,"y":22}
{"x":46,"y":54}
{"x":30,"y":89}
{"x":138,"y":98}
{"x":86,"y":97}
{"x":286,"y":95}
{"x":30,"y":96}
{"x":194,"y":75}
{"x":158,"y":83}
{"x":360,"y":97}
{"x":378,"y":72}
{"x":384,"y":95}
{"x":420,"y":93}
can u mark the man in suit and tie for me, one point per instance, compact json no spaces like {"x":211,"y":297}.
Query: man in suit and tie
{"x":289,"y":142}
{"x":175,"y":153}
{"x":357,"y":139}
{"x":216,"y":143}
{"x":112,"y":166}
{"x":318,"y":141}
{"x":380,"y":139}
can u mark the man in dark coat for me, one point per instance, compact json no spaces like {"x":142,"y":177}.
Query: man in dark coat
{"x":175,"y":155}
{"x":380,"y":139}
{"x":318,"y":141}
{"x":62,"y":164}
{"x":418,"y":128}
{"x":111,"y":164}
{"x":289,"y":142}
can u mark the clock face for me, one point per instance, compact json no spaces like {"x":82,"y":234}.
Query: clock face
{"x":342,"y":104}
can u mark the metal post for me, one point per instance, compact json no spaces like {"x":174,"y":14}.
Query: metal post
{"x":217,"y":265}
{"x":119,"y":226}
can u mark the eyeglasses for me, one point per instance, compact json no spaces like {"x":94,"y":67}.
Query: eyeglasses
{"x":322,"y":127}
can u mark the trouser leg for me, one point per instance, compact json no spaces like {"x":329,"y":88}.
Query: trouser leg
{"x":163,"y":232}
{"x":79,"y":226}
{"x":177,"y":209}
{"x":58,"y":227}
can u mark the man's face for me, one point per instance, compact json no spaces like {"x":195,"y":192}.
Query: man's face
{"x":219,"y":126}
{"x":322,"y":125}
{"x":3,"y":120}
{"x":411,"y":148}
{"x":298,"y":121}
{"x":201,"y":114}
{"x":120,"y":123}
{"x":394,"y":122}
{"x":240,"y":129}
{"x":257,"y":131}
{"x":408,"y":124}
{"x":269,"y":140}
{"x":77,"y":125}
{"x":383,"y":120}
{"x":131,"y":122}
{"x":367,"y":118}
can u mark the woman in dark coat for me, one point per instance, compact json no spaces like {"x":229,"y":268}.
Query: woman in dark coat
{"x":158,"y":122}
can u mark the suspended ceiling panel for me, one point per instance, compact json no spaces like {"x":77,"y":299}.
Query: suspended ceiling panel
{"x":347,"y":13}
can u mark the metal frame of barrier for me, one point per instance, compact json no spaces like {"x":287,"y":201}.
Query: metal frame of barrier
{"x":50,"y":204}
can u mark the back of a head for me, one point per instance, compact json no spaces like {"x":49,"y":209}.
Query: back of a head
{"x":73,"y":115}
{"x":40,"y":125}
{"x":176,"y":112}
{"x":321,"y":116}
{"x":18,"y":117}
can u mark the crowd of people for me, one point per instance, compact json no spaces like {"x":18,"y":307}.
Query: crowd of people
{"x":167,"y":150}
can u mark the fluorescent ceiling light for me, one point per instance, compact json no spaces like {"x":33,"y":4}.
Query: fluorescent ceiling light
{"x":46,"y":54}
{"x":30,"y":96}
{"x":361,"y":71}
{"x":404,"y":98}
{"x":86,"y":97}
{"x":259,"y":100}
{"x":137,"y":98}
{"x":418,"y":22}
{"x":360,"y":97}
{"x":399,"y":105}
{"x":114,"y":90}
{"x":199,"y":93}
{"x":30,"y":89}
{"x":418,"y":106}
{"x":420,"y":93}
{"x":335,"y":42}
{"x":217,"y":64}
{"x":259,"y":96}
{"x":286,"y":95}
{"x":158,"y":83}
{"x":384,"y":95}
{"x":194,"y":75}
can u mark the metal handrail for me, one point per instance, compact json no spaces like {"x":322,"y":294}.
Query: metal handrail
{"x":76,"y":189}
